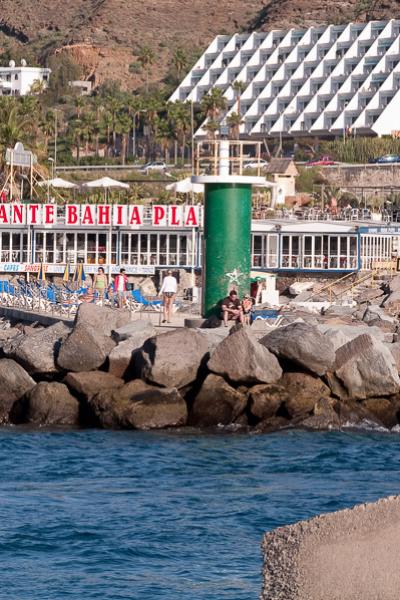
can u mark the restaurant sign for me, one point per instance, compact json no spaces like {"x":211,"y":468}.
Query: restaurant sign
{"x":89,"y":215}
{"x":15,"y":267}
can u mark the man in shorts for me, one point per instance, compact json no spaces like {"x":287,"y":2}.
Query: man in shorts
{"x":168,"y":291}
{"x":232,"y":308}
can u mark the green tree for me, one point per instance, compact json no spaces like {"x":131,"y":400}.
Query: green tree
{"x":146,"y":59}
{"x":234,"y":120}
{"x":180,"y":61}
{"x":214,"y":103}
{"x":238,"y":87}
{"x":179,"y":114}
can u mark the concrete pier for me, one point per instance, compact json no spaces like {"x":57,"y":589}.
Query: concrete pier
{"x":347,"y":555}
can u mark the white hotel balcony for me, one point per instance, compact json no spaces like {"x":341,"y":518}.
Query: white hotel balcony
{"x":305,"y":81}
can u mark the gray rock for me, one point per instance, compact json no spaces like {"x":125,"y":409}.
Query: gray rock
{"x":383,"y":409}
{"x":213,"y":336}
{"x":302,"y":390}
{"x":217,"y":403}
{"x":52,"y":404}
{"x":266,"y":399}
{"x":353,"y":331}
{"x":137,"y":405}
{"x":172,"y":359}
{"x":139,"y":329}
{"x":120,"y":358}
{"x":337,"y":337}
{"x":14,"y":384}
{"x":90,"y":383}
{"x":37,"y":352}
{"x":303,"y":344}
{"x":85,"y":349}
{"x":101,"y":318}
{"x":365,"y":367}
{"x":395,"y":352}
{"x":324,"y":416}
{"x":242,"y":359}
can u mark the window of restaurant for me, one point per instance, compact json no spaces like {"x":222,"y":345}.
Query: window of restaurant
{"x":272,"y":251}
{"x":290,"y":251}
{"x":375,"y":249}
{"x":257,"y":250}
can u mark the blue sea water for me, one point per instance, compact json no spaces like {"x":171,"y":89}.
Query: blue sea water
{"x":117,"y":515}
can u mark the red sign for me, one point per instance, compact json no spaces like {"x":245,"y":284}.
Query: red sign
{"x":91,"y":215}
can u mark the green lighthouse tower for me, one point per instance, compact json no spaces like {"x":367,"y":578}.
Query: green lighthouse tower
{"x":227,"y":228}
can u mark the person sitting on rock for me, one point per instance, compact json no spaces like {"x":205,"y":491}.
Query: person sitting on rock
{"x":247,"y":306}
{"x":231,"y":308}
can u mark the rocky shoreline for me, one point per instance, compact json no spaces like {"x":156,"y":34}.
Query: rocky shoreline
{"x":108,"y":371}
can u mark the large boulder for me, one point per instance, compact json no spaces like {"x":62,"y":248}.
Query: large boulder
{"x":365,"y":367}
{"x":37,"y":352}
{"x":138,"y":405}
{"x":266,"y":399}
{"x":51,"y":404}
{"x":302,"y":344}
{"x":302,"y":391}
{"x":324,"y":416}
{"x":139,"y":329}
{"x":14,"y":384}
{"x":172,"y":359}
{"x":395,"y":352}
{"x":85,"y":349}
{"x":121,"y":356}
{"x":101,"y":318}
{"x":242,"y":359}
{"x":213,"y":336}
{"x":88,"y":384}
{"x":217,"y":403}
{"x":383,"y":409}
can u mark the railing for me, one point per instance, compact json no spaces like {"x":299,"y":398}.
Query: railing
{"x":208,"y":160}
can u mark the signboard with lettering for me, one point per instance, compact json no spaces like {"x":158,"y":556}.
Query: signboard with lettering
{"x":60,"y":268}
{"x":90,"y":215}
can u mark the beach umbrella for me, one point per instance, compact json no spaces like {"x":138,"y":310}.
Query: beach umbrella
{"x":105,"y":183}
{"x":185,"y":186}
{"x":58,"y":182}
{"x":66,"y":272}
{"x":41,"y":272}
{"x":79,"y":273}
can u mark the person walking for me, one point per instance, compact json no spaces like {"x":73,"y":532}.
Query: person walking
{"x":120,"y":287}
{"x":168,"y":291}
{"x":100,"y":283}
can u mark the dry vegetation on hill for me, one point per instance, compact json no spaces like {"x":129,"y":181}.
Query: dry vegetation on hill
{"x":103,"y":36}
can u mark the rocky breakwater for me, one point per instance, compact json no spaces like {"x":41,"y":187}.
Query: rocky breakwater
{"x":109,"y":371}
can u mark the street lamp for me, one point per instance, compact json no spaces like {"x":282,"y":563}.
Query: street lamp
{"x":52,"y":161}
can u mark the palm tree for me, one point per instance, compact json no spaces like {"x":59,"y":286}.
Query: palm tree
{"x":164,"y":136}
{"x":146,"y":59}
{"x":113,"y":107}
{"x":37,"y":87}
{"x":238,"y":87}
{"x":234,"y":120}
{"x":123,"y":129}
{"x":180,"y":61}
{"x":212,"y":126}
{"x":47,"y":127}
{"x":214,"y":103}
{"x":179,"y":114}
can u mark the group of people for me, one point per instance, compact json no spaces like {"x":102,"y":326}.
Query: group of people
{"x":118,"y":288}
{"x":234,"y":309}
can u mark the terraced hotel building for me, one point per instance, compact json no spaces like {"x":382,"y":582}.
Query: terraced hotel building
{"x":322,"y":81}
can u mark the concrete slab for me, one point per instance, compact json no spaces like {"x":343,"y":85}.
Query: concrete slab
{"x":347,"y":555}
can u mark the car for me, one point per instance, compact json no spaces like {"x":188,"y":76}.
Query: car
{"x":324,"y":161}
{"x":156,"y":166}
{"x":256,"y":164}
{"x":388,"y":159}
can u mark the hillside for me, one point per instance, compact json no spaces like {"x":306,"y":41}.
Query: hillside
{"x":103,"y":35}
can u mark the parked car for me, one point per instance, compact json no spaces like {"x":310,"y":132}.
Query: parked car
{"x":156,"y":166}
{"x":324,"y":161}
{"x":255,"y":164}
{"x":388,"y":159}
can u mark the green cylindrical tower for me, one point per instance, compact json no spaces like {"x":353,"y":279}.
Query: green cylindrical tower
{"x":226,"y":245}
{"x":227,"y":237}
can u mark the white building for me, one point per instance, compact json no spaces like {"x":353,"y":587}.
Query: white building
{"x":321,"y":81}
{"x":17,"y":80}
